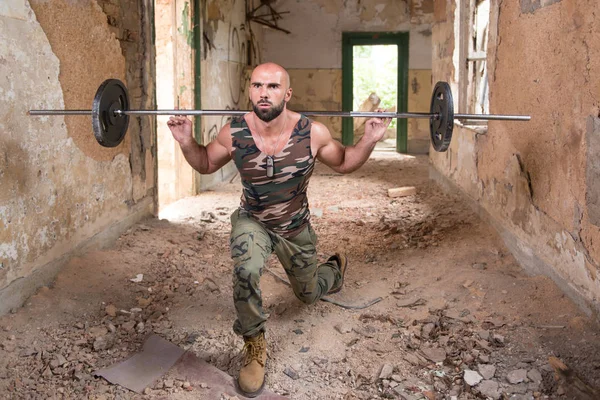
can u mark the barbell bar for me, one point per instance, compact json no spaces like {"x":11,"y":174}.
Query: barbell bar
{"x":110,"y":114}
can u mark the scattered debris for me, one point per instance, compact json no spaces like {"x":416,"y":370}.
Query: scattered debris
{"x":402,"y":191}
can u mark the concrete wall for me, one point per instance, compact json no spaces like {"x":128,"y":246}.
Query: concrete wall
{"x":61,"y":191}
{"x":313,"y":51}
{"x":229,"y":50}
{"x":537,"y":181}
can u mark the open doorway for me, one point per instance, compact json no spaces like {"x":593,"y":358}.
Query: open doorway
{"x":375,"y":85}
{"x":366,"y":63}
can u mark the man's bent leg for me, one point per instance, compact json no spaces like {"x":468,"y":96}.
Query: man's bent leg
{"x":250,"y":247}
{"x":298,"y":256}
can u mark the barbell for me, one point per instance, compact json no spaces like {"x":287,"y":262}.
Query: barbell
{"x":110,"y":114}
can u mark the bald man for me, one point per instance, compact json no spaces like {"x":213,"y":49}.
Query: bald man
{"x":274,"y":150}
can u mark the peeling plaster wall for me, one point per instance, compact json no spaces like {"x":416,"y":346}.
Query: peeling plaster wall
{"x":175,"y":88}
{"x":61,"y":191}
{"x":229,"y":50}
{"x":537,"y":181}
{"x":313,"y":51}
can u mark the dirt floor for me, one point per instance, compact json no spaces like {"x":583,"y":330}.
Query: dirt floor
{"x":458,"y":318}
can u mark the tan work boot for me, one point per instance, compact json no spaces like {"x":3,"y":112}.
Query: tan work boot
{"x":252,"y":375}
{"x":342,"y":264}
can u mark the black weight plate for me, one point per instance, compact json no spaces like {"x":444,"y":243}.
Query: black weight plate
{"x":441,"y":126}
{"x":110,"y":128}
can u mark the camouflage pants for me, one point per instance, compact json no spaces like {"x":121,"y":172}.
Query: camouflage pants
{"x":251,"y":245}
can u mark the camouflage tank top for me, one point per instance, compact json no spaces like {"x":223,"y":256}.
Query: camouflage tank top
{"x":279,"y":203}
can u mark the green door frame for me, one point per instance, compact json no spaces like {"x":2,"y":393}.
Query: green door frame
{"x":350,"y":39}
{"x":197,"y":47}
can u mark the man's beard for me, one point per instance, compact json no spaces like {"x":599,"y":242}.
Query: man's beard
{"x":269,"y":114}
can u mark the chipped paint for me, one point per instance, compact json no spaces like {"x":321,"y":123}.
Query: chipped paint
{"x":184,"y":28}
{"x":535,"y":180}
{"x":56,"y":196}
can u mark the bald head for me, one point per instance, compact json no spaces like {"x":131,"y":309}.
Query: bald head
{"x":272,"y":71}
{"x":269,"y":91}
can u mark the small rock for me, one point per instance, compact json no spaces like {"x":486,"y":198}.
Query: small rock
{"x":516,"y":376}
{"x":487,"y":371}
{"x":139,"y":328}
{"x":187,"y":385}
{"x":489,"y":389}
{"x":402,"y":191}
{"x":138,"y":278}
{"x":211,"y":285}
{"x":434,"y":354}
{"x":534,"y":375}
{"x":61,"y":359}
{"x":484,"y":358}
{"x":289,"y":371}
{"x":485,"y":335}
{"x":143,"y":302}
{"x":79,"y":376}
{"x":517,"y":389}
{"x":413,"y":359}
{"x":472,"y":378}
{"x":97,"y":331}
{"x":386,"y":371}
{"x":104,"y":342}
{"x":498,"y":339}
{"x":128,"y":326}
{"x":147,"y":391}
{"x":343,"y":328}
{"x":9,"y":346}
{"x":207,"y":216}
{"x":111,"y":310}
{"x":481,"y":265}
{"x":47,"y":373}
{"x":427,"y":329}
{"x":28,"y":352}
{"x":188,"y":252}
{"x":155,"y":315}
{"x":168,"y":383}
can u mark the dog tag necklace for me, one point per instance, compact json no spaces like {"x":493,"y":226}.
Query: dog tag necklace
{"x":270,"y":157}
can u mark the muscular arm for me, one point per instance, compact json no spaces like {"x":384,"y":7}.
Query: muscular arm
{"x":344,"y":159}
{"x":204,"y":159}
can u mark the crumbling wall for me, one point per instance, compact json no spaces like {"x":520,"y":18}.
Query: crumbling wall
{"x":175,"y":87}
{"x":61,"y":191}
{"x":537,"y":180}
{"x":312,"y":52}
{"x":229,"y":50}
